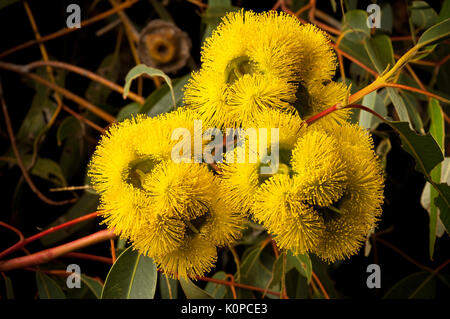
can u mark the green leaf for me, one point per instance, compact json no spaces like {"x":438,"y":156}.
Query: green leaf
{"x":7,"y":3}
{"x":437,"y":130}
{"x":93,"y":285}
{"x":399,"y":104}
{"x":38,"y":115}
{"x":140,"y":69}
{"x":8,"y":287}
{"x":422,"y":15}
{"x":44,"y":168}
{"x":421,"y":285}
{"x":379,"y":49}
{"x":71,"y":132}
{"x":302,"y":263}
{"x":48,"y":288}
{"x":128,"y":111}
{"x":356,"y":21}
{"x":252,"y":271}
{"x":217,"y":291}
{"x":168,"y":287}
{"x":445,"y":11}
{"x":423,"y":148}
{"x":159,"y":101}
{"x":87,"y":203}
{"x":90,"y":289}
{"x":133,"y":276}
{"x":97,"y":93}
{"x":442,"y":202}
{"x":438,"y":32}
{"x":374,"y":102}
{"x":192,"y":291}
{"x":413,"y":107}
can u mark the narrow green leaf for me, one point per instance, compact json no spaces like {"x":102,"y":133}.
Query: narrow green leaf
{"x":159,"y":100}
{"x":133,"y":276}
{"x":423,"y":148}
{"x":48,"y":288}
{"x":375,"y":102}
{"x":96,"y":92}
{"x":379,"y":49}
{"x":140,"y":69}
{"x":422,"y":15}
{"x":216,"y":290}
{"x":93,"y":285}
{"x":421,"y":285}
{"x":399,"y":104}
{"x":437,"y":130}
{"x":87,"y":203}
{"x":168,"y":287}
{"x":438,"y":32}
{"x":192,"y":291}
{"x":356,"y":21}
{"x":445,"y":11}
{"x":387,"y":18}
{"x":6,"y":3}
{"x":127,"y":111}
{"x":442,"y":202}
{"x":8,"y":288}
{"x":302,"y":263}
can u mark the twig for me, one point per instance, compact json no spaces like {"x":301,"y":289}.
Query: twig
{"x":101,"y":259}
{"x":65,"y":31}
{"x":89,"y":74}
{"x":239,"y":285}
{"x":322,"y":288}
{"x":28,"y":240}
{"x":82,"y":102}
{"x":45,"y":256}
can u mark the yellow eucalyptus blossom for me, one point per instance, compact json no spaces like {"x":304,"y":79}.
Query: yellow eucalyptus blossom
{"x":330,"y":200}
{"x":293,"y":223}
{"x":317,"y":163}
{"x":169,"y":211}
{"x":359,"y":208}
{"x":241,"y":180}
{"x":257,"y":62}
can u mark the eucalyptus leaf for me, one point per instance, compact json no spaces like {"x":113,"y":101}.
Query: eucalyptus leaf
{"x":422,"y":15}
{"x":216,"y":290}
{"x":87,"y":203}
{"x":48,"y":288}
{"x":192,"y":291}
{"x":302,"y":263}
{"x":133,"y":276}
{"x":421,"y":285}
{"x":141,"y":69}
{"x":168,"y":287}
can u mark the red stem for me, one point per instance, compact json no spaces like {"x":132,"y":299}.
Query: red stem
{"x":28,"y":240}
{"x":46,"y":255}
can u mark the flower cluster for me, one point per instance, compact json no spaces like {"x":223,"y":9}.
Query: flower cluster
{"x":169,"y":211}
{"x":258,"y":70}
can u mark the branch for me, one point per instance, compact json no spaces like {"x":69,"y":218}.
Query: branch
{"x":45,"y":256}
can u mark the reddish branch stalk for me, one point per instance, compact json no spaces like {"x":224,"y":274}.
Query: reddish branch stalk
{"x":239,"y":285}
{"x":45,"y":256}
{"x":91,"y":75}
{"x":26,"y":241}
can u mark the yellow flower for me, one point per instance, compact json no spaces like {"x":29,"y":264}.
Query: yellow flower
{"x":360,"y":206}
{"x":331,"y":200}
{"x":294,"y":224}
{"x":169,"y":211}
{"x":318,"y":165}
{"x":241,"y":181}
{"x":318,"y":98}
{"x":256,"y":62}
